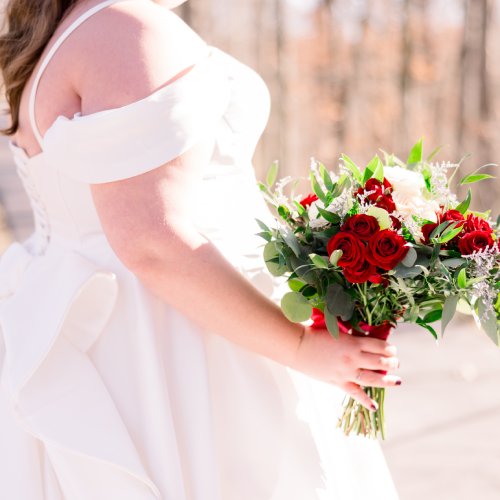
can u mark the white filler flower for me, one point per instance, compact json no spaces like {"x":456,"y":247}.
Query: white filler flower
{"x":410,"y":194}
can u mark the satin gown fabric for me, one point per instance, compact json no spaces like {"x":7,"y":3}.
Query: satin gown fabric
{"x":107,"y":392}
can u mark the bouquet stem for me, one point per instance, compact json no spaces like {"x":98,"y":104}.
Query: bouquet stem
{"x":357,"y":420}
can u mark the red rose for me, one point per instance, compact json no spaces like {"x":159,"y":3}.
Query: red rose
{"x":386,"y":249}
{"x":387,"y":203}
{"x":378,"y":279}
{"x":451,"y":215}
{"x":353,"y":251}
{"x":318,"y":319}
{"x":396,"y":223}
{"x":363,"y":226}
{"x":375,"y":185}
{"x":475,"y":241}
{"x":474,"y":223}
{"x":427,"y":231}
{"x":360,"y":274}
{"x":307,"y":200}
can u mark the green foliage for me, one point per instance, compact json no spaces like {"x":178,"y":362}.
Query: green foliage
{"x":416,"y":153}
{"x":296,"y":307}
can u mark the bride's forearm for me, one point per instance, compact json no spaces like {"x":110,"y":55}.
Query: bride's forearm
{"x":189,"y":273}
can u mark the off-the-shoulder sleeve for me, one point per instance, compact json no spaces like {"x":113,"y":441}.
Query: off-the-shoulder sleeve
{"x":123,"y":142}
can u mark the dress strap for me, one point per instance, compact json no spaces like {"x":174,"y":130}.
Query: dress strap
{"x":72,"y":27}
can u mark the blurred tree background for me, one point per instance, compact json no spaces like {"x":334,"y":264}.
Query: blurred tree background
{"x":357,"y":75}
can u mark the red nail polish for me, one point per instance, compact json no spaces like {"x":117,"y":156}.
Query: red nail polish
{"x":399,"y":382}
{"x":374,"y":407}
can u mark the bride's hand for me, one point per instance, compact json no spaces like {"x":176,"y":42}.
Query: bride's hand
{"x":349,"y":362}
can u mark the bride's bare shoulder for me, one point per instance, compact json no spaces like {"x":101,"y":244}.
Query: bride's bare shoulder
{"x":129,"y":50}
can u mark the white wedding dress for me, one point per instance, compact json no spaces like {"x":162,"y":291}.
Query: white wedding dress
{"x":107,"y":393}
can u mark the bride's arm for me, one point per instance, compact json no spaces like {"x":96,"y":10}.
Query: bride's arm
{"x":147,"y":221}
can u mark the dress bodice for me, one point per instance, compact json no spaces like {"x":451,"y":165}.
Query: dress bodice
{"x":219,"y":96}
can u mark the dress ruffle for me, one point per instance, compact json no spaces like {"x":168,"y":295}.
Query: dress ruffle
{"x":56,"y":393}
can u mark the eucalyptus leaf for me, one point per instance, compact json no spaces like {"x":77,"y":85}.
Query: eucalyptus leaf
{"x":271,"y":253}
{"x":329,"y":216}
{"x":449,"y":309}
{"x":296,"y":285}
{"x":332,"y":324}
{"x":453,"y":263}
{"x":489,"y":324}
{"x":410,"y":258}
{"x":339,"y":302}
{"x":296,"y":307}
{"x":401,"y":271}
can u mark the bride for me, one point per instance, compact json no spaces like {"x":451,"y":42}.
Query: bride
{"x":142,"y":353}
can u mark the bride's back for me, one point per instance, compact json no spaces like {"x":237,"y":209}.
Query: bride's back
{"x":116,"y":56}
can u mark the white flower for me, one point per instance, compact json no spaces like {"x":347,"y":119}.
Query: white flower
{"x":315,"y":220}
{"x":409,"y":194}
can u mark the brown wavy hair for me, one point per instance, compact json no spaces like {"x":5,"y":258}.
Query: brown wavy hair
{"x":30,"y":25}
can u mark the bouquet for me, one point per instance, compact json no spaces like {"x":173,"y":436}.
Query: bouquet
{"x":369,"y":248}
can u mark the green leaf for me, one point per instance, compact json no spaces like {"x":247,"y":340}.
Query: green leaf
{"x":415,"y":155}
{"x":296,"y":307}
{"x":462,"y":279}
{"x":490,"y":324}
{"x":270,"y":253}
{"x":335,"y":257}
{"x":317,"y":188}
{"x":411,"y":258}
{"x":267,"y":236}
{"x":379,"y":171}
{"x":295,"y":284}
{"x":464,"y":206}
{"x":449,"y":309}
{"x":434,"y":153}
{"x":449,"y":234}
{"x":371,"y":168}
{"x":272,"y":174}
{"x":318,"y":261}
{"x":453,"y":263}
{"x":329,"y":216}
{"x":263,"y":226}
{"x":439,"y":230}
{"x":353,"y":168}
{"x":300,"y":209}
{"x":433,"y":316}
{"x":429,"y":328}
{"x":326,"y":177}
{"x":339,"y":302}
{"x":472,"y":178}
{"x":382,"y":216}
{"x":332,"y":323}
{"x":401,"y":271}
{"x":291,"y":241}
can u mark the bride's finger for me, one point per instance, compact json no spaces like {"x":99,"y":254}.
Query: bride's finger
{"x":376,"y":346}
{"x":369,"y":378}
{"x":357,"y":393}
{"x":371,"y":361}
